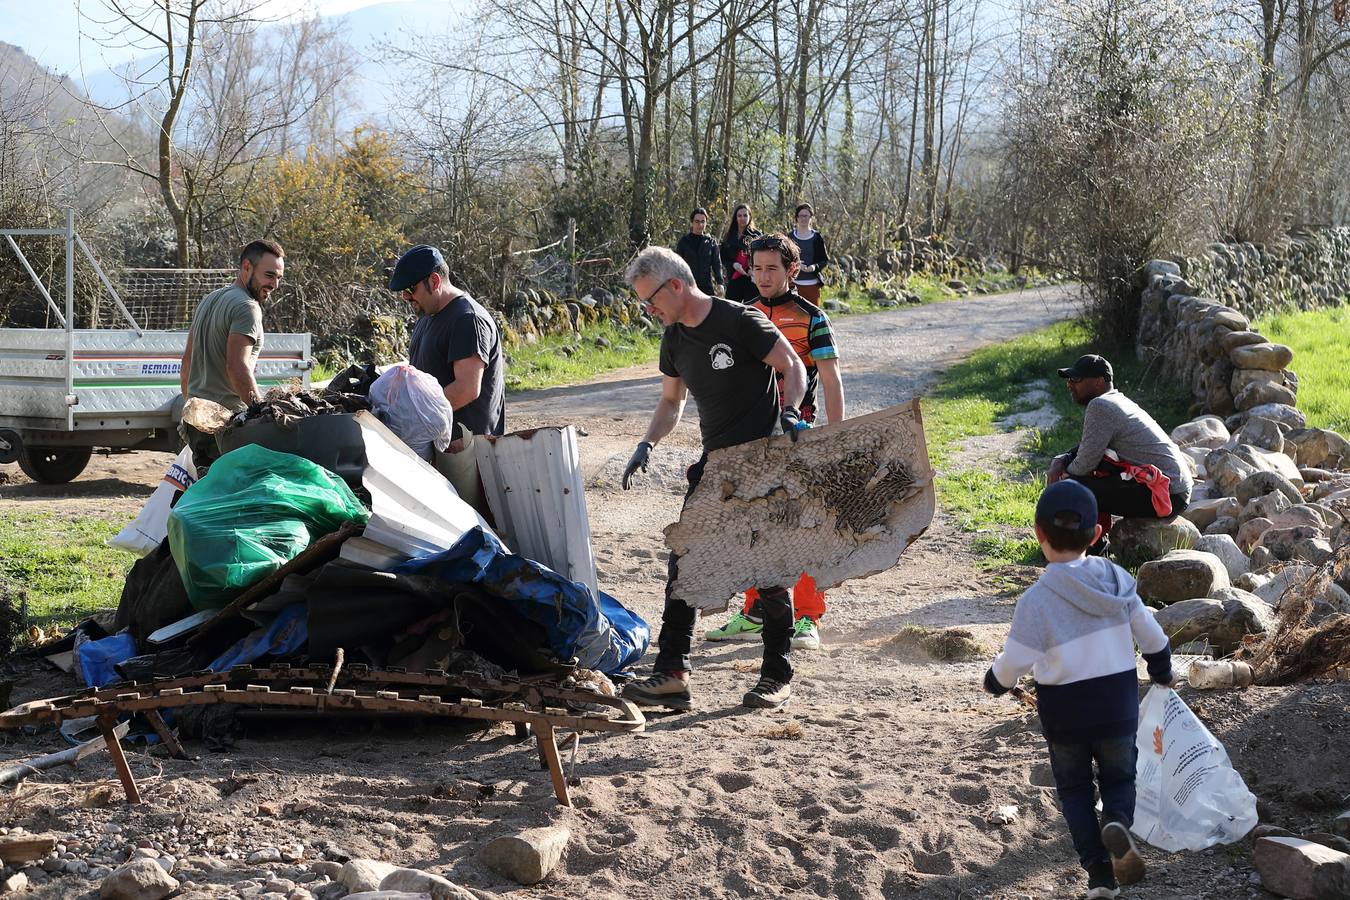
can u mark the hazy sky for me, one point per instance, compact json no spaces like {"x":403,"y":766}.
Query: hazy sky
{"x":50,"y":30}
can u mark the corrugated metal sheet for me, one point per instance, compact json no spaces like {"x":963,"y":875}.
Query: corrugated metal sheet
{"x":415,"y":511}
{"x":533,"y":484}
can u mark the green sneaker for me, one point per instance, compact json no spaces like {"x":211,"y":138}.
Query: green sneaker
{"x":805,"y":635}
{"x":739,"y":627}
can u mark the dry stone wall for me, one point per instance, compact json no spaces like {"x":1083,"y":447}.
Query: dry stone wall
{"x":1272,"y":496}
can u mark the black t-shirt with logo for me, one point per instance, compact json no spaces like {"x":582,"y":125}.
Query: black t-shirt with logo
{"x":721,"y":361}
{"x":460,"y":330}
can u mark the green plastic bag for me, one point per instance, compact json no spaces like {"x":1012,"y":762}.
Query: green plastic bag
{"x":255,"y":510}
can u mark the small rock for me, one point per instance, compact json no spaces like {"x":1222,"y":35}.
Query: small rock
{"x":263,"y":856}
{"x":326,"y":869}
{"x":1263,"y":433}
{"x":1181,"y":575}
{"x":13,"y":884}
{"x":526,"y":857}
{"x":364,"y":874}
{"x":1206,"y":431}
{"x":1341,"y":824}
{"x":1271,"y":357}
{"x":139,"y":879}
{"x":1004,"y":815}
{"x":1312,"y":550}
{"x":387,"y":895}
{"x":1224,"y":525}
{"x":279,"y":886}
{"x":1251,"y":530}
{"x":388,"y":829}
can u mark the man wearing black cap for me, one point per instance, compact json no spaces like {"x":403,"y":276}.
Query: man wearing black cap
{"x":1123,"y":451}
{"x":455,"y":340}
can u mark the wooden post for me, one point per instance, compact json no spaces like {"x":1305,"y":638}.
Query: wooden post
{"x":548,"y":754}
{"x":108,"y":726}
{"x":572,"y":258}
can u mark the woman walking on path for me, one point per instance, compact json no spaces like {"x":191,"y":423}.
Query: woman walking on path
{"x":736,"y":254}
{"x":814,"y":257}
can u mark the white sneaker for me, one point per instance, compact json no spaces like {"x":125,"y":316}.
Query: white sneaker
{"x":805,"y":635}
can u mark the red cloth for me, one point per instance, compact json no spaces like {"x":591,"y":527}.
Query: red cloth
{"x":1158,"y":484}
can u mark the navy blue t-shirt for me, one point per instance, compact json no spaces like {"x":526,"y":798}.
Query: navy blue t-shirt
{"x":721,"y":361}
{"x":461,"y":330}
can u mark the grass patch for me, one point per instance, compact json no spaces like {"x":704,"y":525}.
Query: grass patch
{"x":572,"y":359}
{"x":64,"y":565}
{"x":1318,"y":339}
{"x":947,"y":644}
{"x":997,"y":506}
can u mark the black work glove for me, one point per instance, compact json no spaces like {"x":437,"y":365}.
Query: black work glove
{"x":637,"y":461}
{"x":791,"y":420}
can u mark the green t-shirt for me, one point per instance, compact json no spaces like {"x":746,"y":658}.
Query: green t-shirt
{"x":222,"y":312}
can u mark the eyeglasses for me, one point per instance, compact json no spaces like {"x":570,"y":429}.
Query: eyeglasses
{"x":410,"y":293}
{"x":647,"y":301}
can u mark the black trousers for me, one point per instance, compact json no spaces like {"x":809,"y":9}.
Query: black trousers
{"x":1126,"y":498}
{"x":678,"y":619}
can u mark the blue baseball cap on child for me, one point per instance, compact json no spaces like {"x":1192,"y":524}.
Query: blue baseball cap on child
{"x":1067,"y":504}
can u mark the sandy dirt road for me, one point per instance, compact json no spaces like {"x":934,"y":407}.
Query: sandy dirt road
{"x":875,"y":782}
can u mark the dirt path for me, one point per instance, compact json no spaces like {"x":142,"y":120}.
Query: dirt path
{"x":875,"y":782}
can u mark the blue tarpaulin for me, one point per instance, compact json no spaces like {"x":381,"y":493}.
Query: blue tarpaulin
{"x":286,"y":634}
{"x":599,"y":632}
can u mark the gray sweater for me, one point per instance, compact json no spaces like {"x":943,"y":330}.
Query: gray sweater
{"x":1115,"y":422}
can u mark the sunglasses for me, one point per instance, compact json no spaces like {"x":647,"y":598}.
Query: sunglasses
{"x":409,"y":293}
{"x":647,"y":301}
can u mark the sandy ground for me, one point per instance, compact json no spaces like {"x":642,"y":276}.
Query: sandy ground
{"x":876,"y":781}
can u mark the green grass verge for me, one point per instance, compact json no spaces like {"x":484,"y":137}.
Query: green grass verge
{"x":1318,"y":339}
{"x":996,"y":507}
{"x":63,"y":564}
{"x":571,"y":359}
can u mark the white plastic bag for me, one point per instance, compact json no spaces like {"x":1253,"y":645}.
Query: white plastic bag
{"x":1188,"y":796}
{"x":414,"y":407}
{"x":151,"y":526}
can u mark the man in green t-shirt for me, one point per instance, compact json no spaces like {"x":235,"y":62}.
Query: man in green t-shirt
{"x":224,"y":342}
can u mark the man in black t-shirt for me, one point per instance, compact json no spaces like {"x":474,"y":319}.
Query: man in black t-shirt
{"x":455,"y":340}
{"x":725,"y":354}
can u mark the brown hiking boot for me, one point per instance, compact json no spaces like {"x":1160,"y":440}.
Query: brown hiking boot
{"x":660,"y":689}
{"x":1125,"y":858}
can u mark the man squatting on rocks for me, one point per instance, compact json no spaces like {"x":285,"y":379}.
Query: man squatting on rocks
{"x":1075,"y":630}
{"x":726,"y":354}
{"x":1124,"y":457}
{"x":455,"y":341}
{"x":774,"y":264}
{"x":224,"y":341}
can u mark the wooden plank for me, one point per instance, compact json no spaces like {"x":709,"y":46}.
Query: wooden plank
{"x":548,"y":750}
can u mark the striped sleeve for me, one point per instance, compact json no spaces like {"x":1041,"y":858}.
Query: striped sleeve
{"x":821,"y":338}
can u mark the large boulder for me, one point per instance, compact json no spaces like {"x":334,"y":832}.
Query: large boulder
{"x":1301,"y":870}
{"x":1225,"y":470}
{"x":1271,"y":357}
{"x":1271,"y":588}
{"x":1286,"y":415}
{"x":1226,"y":549}
{"x":1262,"y":432}
{"x":142,"y":878}
{"x":1264,"y":506}
{"x":1260,"y":483}
{"x":526,"y":857}
{"x":1265,"y":461}
{"x":1206,"y":431}
{"x":1234,"y":339}
{"x":1283,"y":542}
{"x":1260,"y":392}
{"x":1202,"y":513}
{"x":1181,"y":575}
{"x":1228,"y":525}
{"x":1137,"y":540}
{"x":1318,"y":448}
{"x":1251,"y":531}
{"x":1309,"y":514}
{"x":1223,"y":620}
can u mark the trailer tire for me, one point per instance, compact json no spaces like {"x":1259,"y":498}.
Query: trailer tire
{"x":54,"y":465}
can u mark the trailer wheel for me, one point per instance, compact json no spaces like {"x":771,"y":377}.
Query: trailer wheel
{"x":54,"y":465}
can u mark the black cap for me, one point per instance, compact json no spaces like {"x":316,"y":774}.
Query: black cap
{"x":1090,"y":366}
{"x":1067,"y":504}
{"x":413,"y":266}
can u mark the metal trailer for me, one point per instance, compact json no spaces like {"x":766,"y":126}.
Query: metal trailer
{"x":66,"y":391}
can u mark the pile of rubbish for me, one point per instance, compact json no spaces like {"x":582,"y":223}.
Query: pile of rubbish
{"x":350,"y":545}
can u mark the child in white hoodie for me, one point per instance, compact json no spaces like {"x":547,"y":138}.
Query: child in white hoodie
{"x":1075,"y":630}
